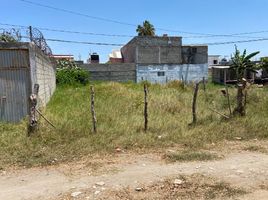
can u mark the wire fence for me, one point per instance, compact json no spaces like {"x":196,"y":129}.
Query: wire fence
{"x":37,"y":37}
{"x":29,"y":34}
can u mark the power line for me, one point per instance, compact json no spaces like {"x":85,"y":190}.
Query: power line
{"x":130,"y":24}
{"x":235,"y":42}
{"x":79,"y":42}
{"x":114,"y":44}
{"x":130,"y":36}
{"x":69,"y":31}
{"x":106,"y":19}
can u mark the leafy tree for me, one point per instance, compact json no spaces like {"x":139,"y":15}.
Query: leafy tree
{"x":264,"y":64}
{"x":242,"y":63}
{"x":146,"y":29}
{"x":10,"y":36}
{"x":69,"y":73}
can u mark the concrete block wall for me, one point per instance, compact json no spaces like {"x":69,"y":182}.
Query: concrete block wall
{"x":199,"y":57}
{"x":148,"y":50}
{"x":120,"y":72}
{"x":43,"y":72}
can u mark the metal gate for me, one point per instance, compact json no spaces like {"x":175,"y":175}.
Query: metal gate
{"x":14,"y":84}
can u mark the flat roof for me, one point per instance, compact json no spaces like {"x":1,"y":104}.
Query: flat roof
{"x":221,"y":66}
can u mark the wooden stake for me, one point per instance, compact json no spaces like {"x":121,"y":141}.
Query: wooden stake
{"x":145,"y":107}
{"x":228,"y":99}
{"x":194,"y":102}
{"x":219,"y":113}
{"x":94,"y":119}
{"x":204,"y":84}
{"x":45,"y":118}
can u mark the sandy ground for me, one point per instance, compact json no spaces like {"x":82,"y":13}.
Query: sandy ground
{"x":245,"y":169}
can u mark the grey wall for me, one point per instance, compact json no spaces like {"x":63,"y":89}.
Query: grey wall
{"x":152,"y":50}
{"x":43,"y":73}
{"x":21,"y":66}
{"x":189,"y":73}
{"x":200,"y":57}
{"x":120,"y":72}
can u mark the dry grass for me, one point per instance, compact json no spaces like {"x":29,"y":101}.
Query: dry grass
{"x":193,"y":187}
{"x":119,"y":109}
{"x":186,"y":156}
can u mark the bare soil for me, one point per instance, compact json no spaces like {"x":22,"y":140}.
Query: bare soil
{"x":240,"y":174}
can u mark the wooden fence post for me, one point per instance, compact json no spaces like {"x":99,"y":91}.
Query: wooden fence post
{"x":194,"y":102}
{"x":228,"y":100}
{"x":145,"y":107}
{"x":94,"y":119}
{"x":33,"y":103}
{"x":204,"y":84}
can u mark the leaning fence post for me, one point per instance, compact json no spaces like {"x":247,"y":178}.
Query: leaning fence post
{"x":145,"y":107}
{"x":94,"y":119}
{"x":194,"y":102}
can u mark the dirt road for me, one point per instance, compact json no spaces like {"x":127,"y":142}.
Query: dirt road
{"x":245,"y":169}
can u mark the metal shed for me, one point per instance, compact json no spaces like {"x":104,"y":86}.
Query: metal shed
{"x":21,"y":66}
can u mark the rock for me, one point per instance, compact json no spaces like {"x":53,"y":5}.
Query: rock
{"x":238,"y":138}
{"x":240,"y":171}
{"x":138,"y":189}
{"x":100,"y":183}
{"x":118,"y":150}
{"x":76,"y":194}
{"x":159,"y":136}
{"x":97,"y":192}
{"x":178,"y":182}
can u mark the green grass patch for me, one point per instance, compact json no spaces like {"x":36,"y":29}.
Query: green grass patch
{"x":119,"y":110}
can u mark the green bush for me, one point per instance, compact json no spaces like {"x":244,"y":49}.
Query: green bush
{"x":69,"y":73}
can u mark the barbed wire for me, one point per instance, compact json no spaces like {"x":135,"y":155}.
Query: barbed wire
{"x":37,"y":37}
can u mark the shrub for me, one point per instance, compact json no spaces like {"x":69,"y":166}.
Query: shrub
{"x":69,"y":73}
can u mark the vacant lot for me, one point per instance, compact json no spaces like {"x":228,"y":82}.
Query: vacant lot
{"x":119,"y":109}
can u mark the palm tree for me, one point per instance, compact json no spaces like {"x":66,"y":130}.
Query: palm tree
{"x":242,"y":63}
{"x":147,"y":29}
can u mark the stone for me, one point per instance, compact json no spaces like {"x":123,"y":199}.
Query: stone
{"x":97,"y":192}
{"x":76,"y":194}
{"x":138,"y":189}
{"x":100,"y":183}
{"x":178,"y":182}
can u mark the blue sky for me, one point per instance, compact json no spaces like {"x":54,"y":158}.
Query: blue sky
{"x":198,"y":16}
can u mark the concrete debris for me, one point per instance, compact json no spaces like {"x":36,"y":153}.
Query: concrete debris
{"x":100,"y":183}
{"x":178,"y":182}
{"x":76,"y":194}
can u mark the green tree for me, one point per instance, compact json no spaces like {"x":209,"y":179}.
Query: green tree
{"x":10,"y":36}
{"x":242,"y":63}
{"x":146,"y":29}
{"x":264,"y":64}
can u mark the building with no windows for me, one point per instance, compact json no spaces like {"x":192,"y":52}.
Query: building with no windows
{"x":163,"y":59}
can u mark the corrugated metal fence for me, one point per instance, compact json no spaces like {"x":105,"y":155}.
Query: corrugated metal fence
{"x":14,"y":84}
{"x":21,"y":66}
